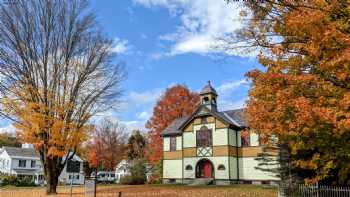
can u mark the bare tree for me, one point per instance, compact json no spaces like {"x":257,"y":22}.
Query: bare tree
{"x":56,"y":72}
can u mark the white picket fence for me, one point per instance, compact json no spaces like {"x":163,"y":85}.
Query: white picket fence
{"x":313,"y":191}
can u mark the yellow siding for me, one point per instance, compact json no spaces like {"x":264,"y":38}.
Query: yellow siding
{"x":172,"y":155}
{"x":220,"y":125}
{"x":189,"y":127}
{"x":189,"y":152}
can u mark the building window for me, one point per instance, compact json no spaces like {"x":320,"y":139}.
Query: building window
{"x":22,"y":163}
{"x":172,"y":143}
{"x":203,"y":137}
{"x":245,"y":138}
{"x":221,"y":167}
{"x":32,"y":164}
{"x":77,"y":177}
{"x":188,"y":167}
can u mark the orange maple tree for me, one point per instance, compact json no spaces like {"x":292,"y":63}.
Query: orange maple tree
{"x":55,"y":74}
{"x":303,"y":94}
{"x":176,"y":102}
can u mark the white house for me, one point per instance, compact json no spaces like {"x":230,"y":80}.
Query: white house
{"x":21,"y":162}
{"x":123,"y":169}
{"x":68,"y":177}
{"x":208,"y":145}
{"x":25,"y":162}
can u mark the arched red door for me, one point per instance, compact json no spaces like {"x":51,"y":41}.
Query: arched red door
{"x":207,"y":169}
{"x":204,"y":169}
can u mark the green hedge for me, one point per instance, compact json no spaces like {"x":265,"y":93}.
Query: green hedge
{"x":13,"y":180}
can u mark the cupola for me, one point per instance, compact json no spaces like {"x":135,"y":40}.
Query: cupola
{"x":208,"y":96}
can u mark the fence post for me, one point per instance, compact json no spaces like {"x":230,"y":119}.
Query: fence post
{"x":120,"y":194}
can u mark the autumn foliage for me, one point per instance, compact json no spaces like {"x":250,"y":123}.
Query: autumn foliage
{"x":176,"y":102}
{"x":55,"y":74}
{"x":303,"y":94}
{"x":107,"y":146}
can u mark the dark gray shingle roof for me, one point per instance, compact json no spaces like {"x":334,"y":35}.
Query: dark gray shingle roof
{"x":174,"y":127}
{"x":20,"y":152}
{"x":237,"y":115}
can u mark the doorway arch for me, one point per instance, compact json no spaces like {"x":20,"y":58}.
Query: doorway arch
{"x":204,"y":169}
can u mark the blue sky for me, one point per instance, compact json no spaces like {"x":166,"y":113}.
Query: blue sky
{"x":165,"y":42}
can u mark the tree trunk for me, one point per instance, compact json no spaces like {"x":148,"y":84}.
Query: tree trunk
{"x":51,"y":187}
{"x":51,"y":174}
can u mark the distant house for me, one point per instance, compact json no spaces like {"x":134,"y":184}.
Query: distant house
{"x":25,"y":162}
{"x":68,"y":177}
{"x":22,"y":162}
{"x":123,"y":169}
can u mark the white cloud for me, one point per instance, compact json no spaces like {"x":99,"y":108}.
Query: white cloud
{"x":134,"y":125}
{"x":202,"y":22}
{"x":231,"y":89}
{"x":143,"y":98}
{"x":227,"y":104}
{"x":228,"y":87}
{"x":143,"y":115}
{"x":8,"y":129}
{"x":121,"y":46}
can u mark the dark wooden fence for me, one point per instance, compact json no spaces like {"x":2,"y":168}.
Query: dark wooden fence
{"x":313,"y":191}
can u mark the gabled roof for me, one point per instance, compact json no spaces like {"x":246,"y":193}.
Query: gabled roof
{"x":75,"y":157}
{"x":237,"y":115}
{"x":232,"y":117}
{"x":174,"y":127}
{"x":20,"y":152}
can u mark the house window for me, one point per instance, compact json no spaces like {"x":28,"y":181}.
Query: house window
{"x":203,"y":137}
{"x":221,"y":167}
{"x":32,"y":164}
{"x":22,"y":163}
{"x":77,"y":177}
{"x":172,"y":143}
{"x":188,"y":167}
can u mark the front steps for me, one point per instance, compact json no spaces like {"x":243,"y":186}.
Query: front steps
{"x":201,"y":181}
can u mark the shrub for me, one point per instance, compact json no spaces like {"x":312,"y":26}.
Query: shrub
{"x":25,"y":182}
{"x":126,"y":180}
{"x":155,"y":179}
{"x":138,"y":174}
{"x":8,"y":180}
